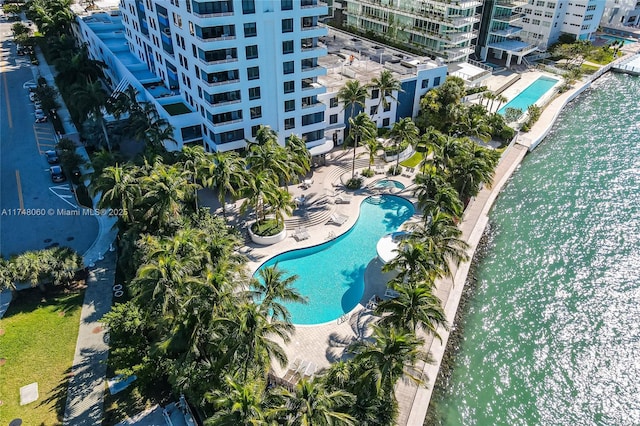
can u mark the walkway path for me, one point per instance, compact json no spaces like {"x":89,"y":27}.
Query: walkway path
{"x":86,"y":386}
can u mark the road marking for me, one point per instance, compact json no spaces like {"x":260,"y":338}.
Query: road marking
{"x":6,"y":94}
{"x":63,"y":197}
{"x":19,"y":186}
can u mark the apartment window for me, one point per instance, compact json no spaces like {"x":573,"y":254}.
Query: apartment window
{"x":250,"y":29}
{"x":254,"y":130}
{"x":248,"y":6}
{"x":289,"y":86}
{"x":251,"y":51}
{"x":254,"y":93}
{"x":385,"y":122}
{"x":194,"y":50}
{"x":287,"y":25}
{"x":333,"y":102}
{"x":253,"y":73}
{"x":255,"y":112}
{"x":535,"y":21}
{"x":551,"y":5}
{"x":287,"y":46}
{"x":288,"y":67}
{"x":308,"y":119}
{"x":286,"y":4}
{"x":387,"y":108}
{"x":289,"y":105}
{"x":289,"y":123}
{"x":373,"y":110}
{"x":436,"y":81}
{"x":425,"y":83}
{"x":588,"y":17}
{"x":375,"y":94}
{"x":333,"y":118}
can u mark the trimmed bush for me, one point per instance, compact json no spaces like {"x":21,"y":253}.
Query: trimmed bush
{"x":267,"y":228}
{"x":354,"y":183}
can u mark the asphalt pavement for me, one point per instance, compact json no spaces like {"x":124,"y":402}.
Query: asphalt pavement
{"x":35,"y":213}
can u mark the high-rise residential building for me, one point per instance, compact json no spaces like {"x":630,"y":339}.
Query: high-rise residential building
{"x":238,"y":63}
{"x":441,"y":28}
{"x":621,"y":13}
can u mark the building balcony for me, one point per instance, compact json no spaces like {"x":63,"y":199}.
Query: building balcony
{"x":221,"y":104}
{"x":510,"y":4}
{"x":464,"y":4}
{"x":225,"y":123}
{"x":312,"y":105}
{"x":212,"y":15}
{"x":163,"y":19}
{"x":219,"y":61}
{"x":220,"y":83}
{"x":508,"y":18}
{"x":462,"y":21}
{"x":212,"y":39}
{"x":506,"y":32}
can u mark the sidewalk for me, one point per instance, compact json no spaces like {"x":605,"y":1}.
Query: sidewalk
{"x":85,"y":396}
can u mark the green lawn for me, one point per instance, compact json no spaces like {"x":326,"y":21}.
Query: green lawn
{"x":412,"y":161}
{"x":38,"y":344}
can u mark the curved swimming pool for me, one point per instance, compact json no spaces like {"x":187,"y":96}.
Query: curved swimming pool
{"x":331,"y":275}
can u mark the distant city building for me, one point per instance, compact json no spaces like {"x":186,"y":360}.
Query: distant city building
{"x":441,"y":28}
{"x":621,"y":14}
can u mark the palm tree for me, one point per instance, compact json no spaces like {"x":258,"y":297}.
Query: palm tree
{"x":281,"y":204}
{"x":362,"y":129}
{"x":414,"y":263}
{"x":196,"y":162}
{"x":352,"y":94}
{"x":120,"y":189}
{"x":415,"y":307}
{"x":271,"y":287}
{"x":32,"y":267}
{"x":299,"y":158}
{"x":311,"y":404}
{"x":90,"y":98}
{"x":403,"y":132}
{"x":391,"y":354}
{"x":386,"y":84}
{"x":470,"y":168}
{"x":261,"y":189}
{"x":239,"y":403}
{"x":227,"y":173}
{"x":501,"y":99}
{"x":372,"y":146}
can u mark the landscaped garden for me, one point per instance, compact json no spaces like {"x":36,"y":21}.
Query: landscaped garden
{"x":37,"y":342}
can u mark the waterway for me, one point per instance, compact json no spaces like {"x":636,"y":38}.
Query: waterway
{"x":551,"y":335}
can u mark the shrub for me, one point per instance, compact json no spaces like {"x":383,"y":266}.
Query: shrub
{"x":396,"y":149}
{"x":83,"y":197}
{"x":367,"y":173}
{"x":267,"y":228}
{"x":395,"y":170}
{"x":354,"y":183}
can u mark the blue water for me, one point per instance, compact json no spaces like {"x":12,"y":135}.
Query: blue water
{"x":389,"y":183}
{"x":331,"y":275}
{"x":530,"y":95}
{"x":614,"y":38}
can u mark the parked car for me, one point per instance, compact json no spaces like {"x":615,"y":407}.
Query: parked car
{"x":52,"y":157}
{"x":57,"y":175}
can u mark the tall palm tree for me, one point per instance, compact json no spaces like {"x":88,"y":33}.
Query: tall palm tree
{"x":471,"y":167}
{"x":311,"y":404}
{"x":372,"y":146}
{"x":120,"y":189}
{"x":416,"y":307}
{"x":261,"y":189}
{"x":352,"y":94}
{"x":90,"y":98}
{"x":226,"y":173}
{"x":403,"y":131}
{"x":238,"y":403}
{"x":299,"y":158}
{"x":414,"y":263}
{"x":390,"y":355}
{"x":196,"y":162}
{"x":272,"y":287}
{"x":386,"y":84}
{"x":362,"y":129}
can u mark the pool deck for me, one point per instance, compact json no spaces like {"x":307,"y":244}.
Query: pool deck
{"x":325,"y":343}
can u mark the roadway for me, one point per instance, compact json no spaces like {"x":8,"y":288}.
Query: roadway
{"x":35,"y":213}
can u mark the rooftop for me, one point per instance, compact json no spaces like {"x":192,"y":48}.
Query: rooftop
{"x":352,"y":57}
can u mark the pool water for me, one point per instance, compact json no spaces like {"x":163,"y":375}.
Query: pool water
{"x":614,"y":38}
{"x":530,"y":95}
{"x":389,"y":183}
{"x":331,"y":275}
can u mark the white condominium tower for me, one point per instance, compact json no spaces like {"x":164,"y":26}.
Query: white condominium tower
{"x":239,"y":63}
{"x":442,"y":28}
{"x":621,"y":13}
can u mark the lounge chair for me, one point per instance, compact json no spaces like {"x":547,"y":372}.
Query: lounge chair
{"x":306,"y":184}
{"x":380,"y":170}
{"x":343,"y":199}
{"x":338,"y":219}
{"x":301,"y":234}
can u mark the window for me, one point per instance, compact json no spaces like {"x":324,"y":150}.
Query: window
{"x":289,"y":123}
{"x":387,"y":108}
{"x":256,"y":112}
{"x":287,"y":25}
{"x":333,"y":102}
{"x":385,"y":122}
{"x":251,"y":51}
{"x":289,"y":105}
{"x":250,"y":29}
{"x":436,"y":81}
{"x":317,"y":117}
{"x":373,"y":110}
{"x":289,"y":86}
{"x":254,"y":130}
{"x":254,"y":93}
{"x":288,"y":67}
{"x":333,"y":118}
{"x":286,"y":4}
{"x":375,"y":93}
{"x":253,"y":73}
{"x":248,"y":6}
{"x":425,"y":83}
{"x":287,"y":46}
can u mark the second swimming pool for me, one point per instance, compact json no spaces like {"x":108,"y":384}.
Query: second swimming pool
{"x":530,"y":95}
{"x":331,"y":275}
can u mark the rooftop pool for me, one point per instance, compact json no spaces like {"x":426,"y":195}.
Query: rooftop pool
{"x":331,"y":275}
{"x":530,"y":95}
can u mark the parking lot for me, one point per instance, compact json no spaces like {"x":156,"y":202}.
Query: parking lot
{"x":34,"y":211}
